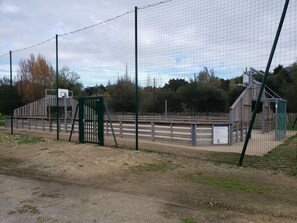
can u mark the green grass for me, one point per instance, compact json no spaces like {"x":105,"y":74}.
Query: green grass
{"x":227,"y":183}
{"x":158,"y":166}
{"x":189,"y":220}
{"x":23,"y":139}
{"x":25,"y":209}
{"x":42,"y":219}
{"x":44,"y":149}
{"x":282,"y":158}
{"x":58,"y":152}
{"x":290,"y":127}
{"x":154,"y":152}
{"x":9,"y":140}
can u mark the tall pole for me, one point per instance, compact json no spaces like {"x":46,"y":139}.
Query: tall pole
{"x":136,"y":83}
{"x":57,"y":86}
{"x":154,"y":96}
{"x":21,"y":87}
{"x":247,"y":138}
{"x":10,"y":98}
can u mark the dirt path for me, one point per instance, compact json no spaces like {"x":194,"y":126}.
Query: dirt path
{"x":70,"y":182}
{"x":27,"y":200}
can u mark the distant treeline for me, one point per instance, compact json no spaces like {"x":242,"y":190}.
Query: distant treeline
{"x":204,"y":93}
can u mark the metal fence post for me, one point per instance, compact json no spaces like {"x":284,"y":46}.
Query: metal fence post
{"x":264,"y":81}
{"x":10,"y":98}
{"x":57,"y":85}
{"x":100,"y":110}
{"x":136,"y":83}
{"x":81,"y":120}
{"x":276,"y":120}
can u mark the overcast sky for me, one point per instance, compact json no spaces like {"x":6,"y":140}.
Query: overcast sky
{"x":24,"y":23}
{"x":176,"y":39}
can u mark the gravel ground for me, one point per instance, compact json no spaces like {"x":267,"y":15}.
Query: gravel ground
{"x":28,"y":200}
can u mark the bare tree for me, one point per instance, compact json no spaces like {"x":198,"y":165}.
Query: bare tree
{"x":37,"y":75}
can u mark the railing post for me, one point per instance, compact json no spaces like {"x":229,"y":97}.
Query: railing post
{"x":241,"y":131}
{"x":231,"y":117}
{"x":153,"y":131}
{"x":121,"y":129}
{"x":171,"y":132}
{"x":193,"y":134}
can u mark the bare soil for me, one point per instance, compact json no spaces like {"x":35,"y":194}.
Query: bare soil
{"x":72,"y":182}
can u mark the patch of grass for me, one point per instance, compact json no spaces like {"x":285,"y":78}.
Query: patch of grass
{"x":58,"y":152}
{"x":46,"y":220}
{"x":47,"y":195}
{"x":154,"y":152}
{"x":293,"y":170}
{"x":25,"y":209}
{"x":23,"y":139}
{"x":44,"y":149}
{"x":227,"y":183}
{"x":9,"y":162}
{"x":294,"y":213}
{"x":158,"y":166}
{"x":282,"y":158}
{"x":291,"y":128}
{"x":11,"y":212}
{"x":189,"y":220}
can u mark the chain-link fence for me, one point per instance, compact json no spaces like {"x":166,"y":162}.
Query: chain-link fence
{"x":197,"y":68}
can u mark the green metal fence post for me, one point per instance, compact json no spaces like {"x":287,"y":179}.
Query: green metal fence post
{"x":81,"y":120}
{"x":57,"y":85}
{"x":136,"y":83}
{"x":263,"y":82}
{"x":10,"y":98}
{"x":100,"y":109}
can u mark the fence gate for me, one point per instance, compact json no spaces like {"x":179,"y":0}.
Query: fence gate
{"x":91,"y":114}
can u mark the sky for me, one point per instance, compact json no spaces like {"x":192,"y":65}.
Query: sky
{"x":176,"y":39}
{"x":24,"y":23}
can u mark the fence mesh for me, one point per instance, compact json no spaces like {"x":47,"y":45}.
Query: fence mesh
{"x":4,"y":83}
{"x":281,"y":122}
{"x":191,"y":58}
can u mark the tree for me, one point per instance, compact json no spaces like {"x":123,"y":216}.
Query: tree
{"x":95,"y":90}
{"x":70,"y":80}
{"x":208,"y":76}
{"x":225,"y":85}
{"x":203,"y":97}
{"x":235,"y":93}
{"x":37,"y":75}
{"x":289,"y":89}
{"x":120,"y":96}
{"x":5,"y":96}
{"x":174,"y":84}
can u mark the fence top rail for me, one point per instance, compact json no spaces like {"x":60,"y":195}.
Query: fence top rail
{"x":199,"y":121}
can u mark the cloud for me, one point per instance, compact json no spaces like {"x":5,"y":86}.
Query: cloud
{"x":175,"y":39}
{"x":8,"y":8}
